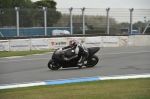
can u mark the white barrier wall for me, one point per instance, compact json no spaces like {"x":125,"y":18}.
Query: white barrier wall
{"x":54,"y":43}
{"x":4,"y":45}
{"x":110,"y":41}
{"x":131,"y":40}
{"x":123,"y":41}
{"x":142,"y":40}
{"x":19,"y":45}
{"x":39,"y":44}
{"x":93,"y":41}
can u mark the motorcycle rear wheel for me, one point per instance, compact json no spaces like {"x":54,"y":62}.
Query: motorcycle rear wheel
{"x":91,"y":62}
{"x":52,"y":65}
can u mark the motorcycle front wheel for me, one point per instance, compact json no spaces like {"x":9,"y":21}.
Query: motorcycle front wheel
{"x":92,"y":61}
{"x":53,"y":65}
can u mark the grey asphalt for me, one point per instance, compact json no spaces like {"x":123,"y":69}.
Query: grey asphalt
{"x":112,"y":61}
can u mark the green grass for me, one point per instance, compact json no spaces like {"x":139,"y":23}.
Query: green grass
{"x":23,"y":53}
{"x":109,"y":89}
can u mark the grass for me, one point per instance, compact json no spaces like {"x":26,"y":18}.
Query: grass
{"x":23,"y":53}
{"x":109,"y":89}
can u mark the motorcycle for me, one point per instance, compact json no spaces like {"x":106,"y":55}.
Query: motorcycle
{"x":57,"y":60}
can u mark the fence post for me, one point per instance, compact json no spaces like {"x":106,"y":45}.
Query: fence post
{"x":131,"y":10}
{"x":1,"y":12}
{"x":17,"y":19}
{"x":45,"y":19}
{"x":71,"y":20}
{"x":83,"y":29}
{"x":107,"y":21}
{"x":146,"y":27}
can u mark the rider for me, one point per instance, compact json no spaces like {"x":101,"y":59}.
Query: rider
{"x":78,"y":48}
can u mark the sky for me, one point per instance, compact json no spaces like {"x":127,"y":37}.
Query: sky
{"x":143,"y":4}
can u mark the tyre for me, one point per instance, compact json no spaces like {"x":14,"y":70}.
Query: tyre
{"x":92,"y":61}
{"x":53,"y":65}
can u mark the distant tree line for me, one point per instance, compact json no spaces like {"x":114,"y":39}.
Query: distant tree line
{"x":30,"y":13}
{"x":96,"y":22}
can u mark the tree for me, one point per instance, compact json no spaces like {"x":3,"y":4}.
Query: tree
{"x":15,"y":3}
{"x":45,"y":3}
{"x":8,"y":13}
{"x":52,"y":15}
{"x":124,"y":25}
{"x":138,"y":24}
{"x":28,"y":17}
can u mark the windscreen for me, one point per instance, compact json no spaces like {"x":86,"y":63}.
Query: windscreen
{"x":57,"y":51}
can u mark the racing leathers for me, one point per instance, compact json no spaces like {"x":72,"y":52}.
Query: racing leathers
{"x":78,"y":49}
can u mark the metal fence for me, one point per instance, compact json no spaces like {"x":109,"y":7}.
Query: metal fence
{"x":30,"y":22}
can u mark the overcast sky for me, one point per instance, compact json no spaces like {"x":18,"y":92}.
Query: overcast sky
{"x":102,"y":3}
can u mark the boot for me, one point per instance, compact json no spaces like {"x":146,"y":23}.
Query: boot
{"x":81,"y":62}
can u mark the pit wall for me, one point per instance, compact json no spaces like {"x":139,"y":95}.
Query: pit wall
{"x":54,"y":43}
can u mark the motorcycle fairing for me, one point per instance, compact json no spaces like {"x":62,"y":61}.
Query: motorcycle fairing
{"x":93,"y":50}
{"x":56,"y":54}
{"x":57,"y":58}
{"x":69,"y":53}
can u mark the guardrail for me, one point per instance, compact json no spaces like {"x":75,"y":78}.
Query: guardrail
{"x":92,"y":41}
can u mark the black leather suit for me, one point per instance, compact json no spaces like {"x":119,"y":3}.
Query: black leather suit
{"x":79,"y":49}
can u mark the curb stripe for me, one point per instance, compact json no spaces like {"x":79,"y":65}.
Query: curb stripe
{"x":21,"y":85}
{"x":73,"y":80}
{"x":132,"y":76}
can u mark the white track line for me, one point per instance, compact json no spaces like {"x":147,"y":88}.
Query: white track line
{"x":14,"y":57}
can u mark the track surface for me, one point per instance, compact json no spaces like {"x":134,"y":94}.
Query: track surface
{"x":112,"y":61}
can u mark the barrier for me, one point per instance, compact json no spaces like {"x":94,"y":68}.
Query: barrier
{"x":131,"y":41}
{"x":39,"y":44}
{"x":4,"y":45}
{"x":93,"y":41}
{"x":109,"y":41}
{"x":54,"y":43}
{"x":123,"y":41}
{"x":19,"y":45}
{"x":142,"y":40}
{"x":58,"y":43}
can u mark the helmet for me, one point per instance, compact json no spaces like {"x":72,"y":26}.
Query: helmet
{"x":73,"y":43}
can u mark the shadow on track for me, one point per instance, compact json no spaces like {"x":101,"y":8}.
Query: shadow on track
{"x":73,"y":68}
